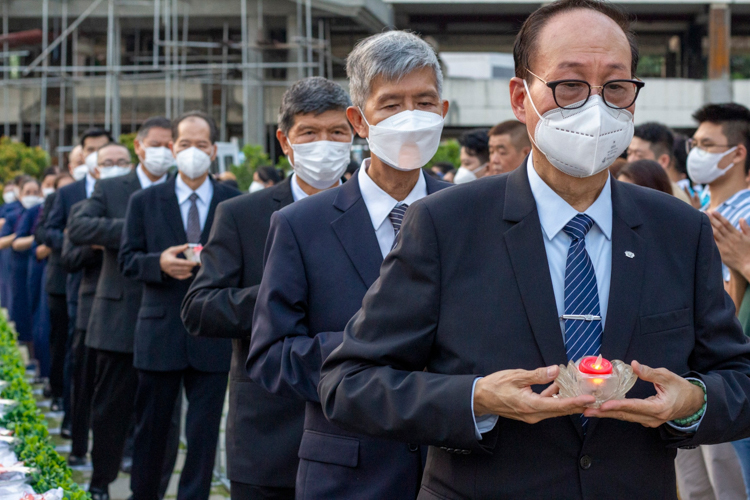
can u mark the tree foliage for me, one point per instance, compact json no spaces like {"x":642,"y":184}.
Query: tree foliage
{"x":16,"y":158}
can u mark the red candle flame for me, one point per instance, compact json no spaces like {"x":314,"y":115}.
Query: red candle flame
{"x":595,"y":366}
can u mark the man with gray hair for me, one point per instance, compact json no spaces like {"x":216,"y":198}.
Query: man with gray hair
{"x":324,"y":252}
{"x":264,"y":430}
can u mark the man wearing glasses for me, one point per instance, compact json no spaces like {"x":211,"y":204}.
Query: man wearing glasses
{"x":458,"y":341}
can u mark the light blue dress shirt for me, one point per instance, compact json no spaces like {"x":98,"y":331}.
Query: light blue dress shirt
{"x":554,"y":213}
{"x":145,"y":181}
{"x":205,"y":192}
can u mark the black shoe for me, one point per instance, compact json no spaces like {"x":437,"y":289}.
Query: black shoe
{"x":97,"y":494}
{"x":57,"y":404}
{"x":74,"y":461}
{"x":126,"y":465}
{"x":47,"y":391}
{"x":65,"y":432}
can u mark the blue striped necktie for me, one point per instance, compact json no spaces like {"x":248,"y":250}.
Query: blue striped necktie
{"x":582,"y":338}
{"x":397,"y":217}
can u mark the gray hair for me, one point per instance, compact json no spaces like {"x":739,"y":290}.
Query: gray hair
{"x":391,"y":55}
{"x":311,"y":95}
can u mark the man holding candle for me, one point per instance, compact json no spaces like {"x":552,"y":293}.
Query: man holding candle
{"x":467,"y":322}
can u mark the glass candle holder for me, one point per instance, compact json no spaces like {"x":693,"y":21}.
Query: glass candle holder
{"x":598,"y":377}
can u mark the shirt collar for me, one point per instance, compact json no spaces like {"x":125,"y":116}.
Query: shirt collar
{"x":379,"y":203}
{"x":90,"y":182}
{"x":144,"y":179}
{"x":183,"y":191}
{"x":555,"y":213}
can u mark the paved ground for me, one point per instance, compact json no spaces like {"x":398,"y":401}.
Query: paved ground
{"x":120,"y":489}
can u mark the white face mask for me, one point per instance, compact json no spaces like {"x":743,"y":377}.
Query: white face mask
{"x":193,"y":162}
{"x":158,"y":160}
{"x":92,"y":161}
{"x":703,"y":167}
{"x":406,"y":140}
{"x":110,"y":172}
{"x":464,"y":175}
{"x":583,"y":142}
{"x":321,"y":163}
{"x":9,"y":197}
{"x":80,"y":172}
{"x":47,"y":191}
{"x":31,"y":201}
{"x":256,"y":186}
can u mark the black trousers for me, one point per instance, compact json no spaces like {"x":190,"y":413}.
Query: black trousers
{"x":58,"y":342}
{"x":154,"y":404}
{"x":244,"y":491}
{"x":83,"y":370}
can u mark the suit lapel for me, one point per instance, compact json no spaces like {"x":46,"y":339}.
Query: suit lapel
{"x":282,"y":194}
{"x":355,"y":232}
{"x":172,"y":212}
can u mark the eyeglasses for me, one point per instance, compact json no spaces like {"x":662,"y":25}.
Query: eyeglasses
{"x":121,"y":163}
{"x":573,"y":94}
{"x":691,"y":144}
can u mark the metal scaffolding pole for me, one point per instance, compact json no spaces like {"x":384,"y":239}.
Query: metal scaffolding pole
{"x":157,"y":27}
{"x":308,"y":35}
{"x":322,"y":49}
{"x":224,"y":54}
{"x":110,"y":55}
{"x":116,"y":120}
{"x":6,"y":75}
{"x":167,"y":61}
{"x":300,"y":52}
{"x":74,"y":88}
{"x":260,"y":104}
{"x":63,"y":86}
{"x":43,"y":103}
{"x":245,"y":76}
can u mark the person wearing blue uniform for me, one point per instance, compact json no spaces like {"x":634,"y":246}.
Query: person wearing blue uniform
{"x":11,"y":205}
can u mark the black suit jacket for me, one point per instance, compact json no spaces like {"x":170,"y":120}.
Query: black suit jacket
{"x":321,"y":257}
{"x":117,"y":299}
{"x":467,"y":292}
{"x":263,"y":429}
{"x":152,"y":224}
{"x":56,"y":275}
{"x":85,"y":262}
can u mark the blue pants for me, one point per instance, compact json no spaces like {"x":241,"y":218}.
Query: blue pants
{"x":39,"y":313}
{"x":742,"y":447}
{"x":20,"y":309}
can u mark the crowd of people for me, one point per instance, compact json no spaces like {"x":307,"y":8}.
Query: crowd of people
{"x":380,"y":331}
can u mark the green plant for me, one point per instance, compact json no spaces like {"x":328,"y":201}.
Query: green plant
{"x":17,"y":158}
{"x":34,"y":447}
{"x":450,"y":151}
{"x":128,"y":140}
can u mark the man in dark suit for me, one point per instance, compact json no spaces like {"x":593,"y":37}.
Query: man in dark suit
{"x":109,"y":335}
{"x":164,"y":354}
{"x":322,"y":255}
{"x":263,"y":430}
{"x":551,"y":263}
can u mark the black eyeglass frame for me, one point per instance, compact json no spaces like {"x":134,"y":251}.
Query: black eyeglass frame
{"x":553,"y":85}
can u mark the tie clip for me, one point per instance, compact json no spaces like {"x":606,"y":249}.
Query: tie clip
{"x":581,"y":317}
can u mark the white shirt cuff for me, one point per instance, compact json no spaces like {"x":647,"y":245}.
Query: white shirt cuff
{"x":693,"y":427}
{"x":485,"y":423}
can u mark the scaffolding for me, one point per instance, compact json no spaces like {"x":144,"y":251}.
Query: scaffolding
{"x":178,"y":60}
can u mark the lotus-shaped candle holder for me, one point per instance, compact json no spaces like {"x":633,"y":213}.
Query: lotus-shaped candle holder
{"x":595,"y":377}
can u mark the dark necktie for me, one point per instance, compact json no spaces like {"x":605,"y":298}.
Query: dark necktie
{"x":397,"y":217}
{"x":582,"y":337}
{"x":193,"y":222}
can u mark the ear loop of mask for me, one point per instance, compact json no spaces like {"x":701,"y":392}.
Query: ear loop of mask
{"x":528,"y":92}
{"x":726,"y":169}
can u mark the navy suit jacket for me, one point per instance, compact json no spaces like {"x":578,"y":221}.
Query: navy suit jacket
{"x":322,"y":255}
{"x":467,"y":292}
{"x":152,"y":224}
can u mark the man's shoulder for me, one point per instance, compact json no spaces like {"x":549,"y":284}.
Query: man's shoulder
{"x":224,"y":192}
{"x":313,"y":209}
{"x":72,"y":189}
{"x":472,"y":196}
{"x":661,"y":210}
{"x":251,"y":201}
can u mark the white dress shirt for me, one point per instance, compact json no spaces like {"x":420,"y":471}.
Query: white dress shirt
{"x":205,"y":192}
{"x":144,"y":179}
{"x":379,"y":205}
{"x":554,"y":214}
{"x":90,"y":183}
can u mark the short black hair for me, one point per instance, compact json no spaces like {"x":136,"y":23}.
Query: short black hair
{"x":444,"y":166}
{"x":95,"y":132}
{"x":311,"y":95}
{"x":214,"y":134}
{"x":679,"y":153}
{"x":269,"y":173}
{"x":476,"y":143}
{"x":734,"y":120}
{"x":49,"y":171}
{"x":659,"y":136}
{"x":153,"y":122}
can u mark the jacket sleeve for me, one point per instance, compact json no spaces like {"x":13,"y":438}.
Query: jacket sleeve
{"x":376,"y":382}
{"x":75,"y":258}
{"x":134,"y":260}
{"x":55,"y":224}
{"x":40,"y":235}
{"x":92,"y":226}
{"x":721,"y":355}
{"x":284,"y":358}
{"x":216,"y":305}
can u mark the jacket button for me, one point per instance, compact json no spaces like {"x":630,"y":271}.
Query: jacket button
{"x":413,"y":447}
{"x":585,"y":462}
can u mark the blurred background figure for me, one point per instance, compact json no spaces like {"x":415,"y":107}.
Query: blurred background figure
{"x":508,"y":145}
{"x":228,"y":178}
{"x":445,"y":170}
{"x":646,"y":173}
{"x":475,"y":156}
{"x":265,"y":177}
